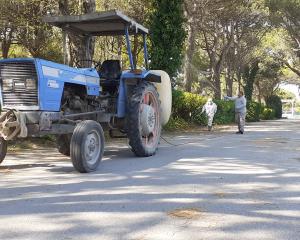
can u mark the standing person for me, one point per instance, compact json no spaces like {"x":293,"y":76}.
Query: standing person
{"x":210,"y":108}
{"x":240,"y":110}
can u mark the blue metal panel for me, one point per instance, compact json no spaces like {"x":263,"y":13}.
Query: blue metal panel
{"x":17,"y":60}
{"x":123,"y":91}
{"x":121,"y":112}
{"x":50,"y":89}
{"x":54,"y":76}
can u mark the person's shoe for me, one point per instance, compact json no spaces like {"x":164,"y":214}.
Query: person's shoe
{"x":240,"y":132}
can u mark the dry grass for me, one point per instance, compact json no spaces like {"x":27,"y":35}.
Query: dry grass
{"x":5,"y":170}
{"x":30,"y":143}
{"x":185,"y":213}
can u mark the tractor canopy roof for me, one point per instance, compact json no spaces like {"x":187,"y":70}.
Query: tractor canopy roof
{"x":107,"y":23}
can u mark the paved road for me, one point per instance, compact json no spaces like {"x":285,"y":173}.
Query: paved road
{"x":212,"y":187}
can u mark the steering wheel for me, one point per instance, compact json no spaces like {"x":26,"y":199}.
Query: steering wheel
{"x":94,"y":64}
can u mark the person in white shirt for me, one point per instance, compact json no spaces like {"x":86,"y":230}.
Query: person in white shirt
{"x":240,"y":111}
{"x":210,"y":109}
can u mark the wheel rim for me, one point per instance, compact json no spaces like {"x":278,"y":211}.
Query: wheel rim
{"x":149,"y":119}
{"x":92,"y":147}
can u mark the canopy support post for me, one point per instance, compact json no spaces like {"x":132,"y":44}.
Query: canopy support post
{"x":66,"y":50}
{"x":146,"y":52}
{"x":129,"y":48}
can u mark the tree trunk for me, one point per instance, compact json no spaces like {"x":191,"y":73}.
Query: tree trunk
{"x":249,"y":78}
{"x":6,"y":42}
{"x":120,"y":46}
{"x":81,"y":48}
{"x":216,"y":75}
{"x":229,"y":81}
{"x":188,"y":67}
{"x":259,"y":91}
{"x":5,"y":46}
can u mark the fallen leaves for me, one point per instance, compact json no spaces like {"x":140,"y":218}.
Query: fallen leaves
{"x":5,"y":170}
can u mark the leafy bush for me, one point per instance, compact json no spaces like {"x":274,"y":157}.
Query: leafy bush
{"x":275,"y":103}
{"x":225,"y":113}
{"x":187,"y":109}
{"x":267,"y":114}
{"x":188,"y":106}
{"x":254,"y":110}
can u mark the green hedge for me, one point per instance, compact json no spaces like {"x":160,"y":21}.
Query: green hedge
{"x":267,"y":114}
{"x":188,"y":106}
{"x":225,"y":113}
{"x":275,"y":103}
{"x":187,"y":109}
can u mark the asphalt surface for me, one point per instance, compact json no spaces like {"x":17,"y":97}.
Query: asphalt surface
{"x":209,"y":186}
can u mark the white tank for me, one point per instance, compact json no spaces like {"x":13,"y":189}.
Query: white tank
{"x":165,"y":95}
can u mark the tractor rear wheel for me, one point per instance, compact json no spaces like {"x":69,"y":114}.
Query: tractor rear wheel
{"x":87,"y":146}
{"x":3,"y":149}
{"x":63,"y":144}
{"x":143,"y":120}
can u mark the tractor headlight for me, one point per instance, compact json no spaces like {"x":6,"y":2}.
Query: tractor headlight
{"x":7,"y":84}
{"x":31,"y":84}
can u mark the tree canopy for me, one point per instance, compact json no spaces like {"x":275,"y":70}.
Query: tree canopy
{"x":213,"y":47}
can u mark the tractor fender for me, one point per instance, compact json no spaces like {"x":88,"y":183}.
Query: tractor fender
{"x":164,"y":90}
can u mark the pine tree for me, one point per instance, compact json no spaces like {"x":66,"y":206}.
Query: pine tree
{"x":167,"y":35}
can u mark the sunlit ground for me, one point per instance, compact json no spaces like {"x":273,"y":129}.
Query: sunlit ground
{"x":207,"y":186}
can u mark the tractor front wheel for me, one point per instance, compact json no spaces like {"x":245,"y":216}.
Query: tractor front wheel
{"x":87,"y":146}
{"x":143,"y":120}
{"x":3,"y":149}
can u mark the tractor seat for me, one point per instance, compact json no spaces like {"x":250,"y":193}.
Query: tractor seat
{"x":110,"y":72}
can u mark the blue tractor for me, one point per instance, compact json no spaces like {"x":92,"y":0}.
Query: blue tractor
{"x":40,"y":97}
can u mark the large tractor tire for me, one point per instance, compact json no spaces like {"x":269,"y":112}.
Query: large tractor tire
{"x":87,"y":146}
{"x":3,"y":149}
{"x":164,"y":89}
{"x":63,"y":144}
{"x":143,"y":120}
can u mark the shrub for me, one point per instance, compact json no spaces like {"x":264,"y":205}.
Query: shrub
{"x":267,"y":114}
{"x":275,"y":103}
{"x":187,"y":109}
{"x":188,"y":106}
{"x":253,"y":111}
{"x":225,"y":113}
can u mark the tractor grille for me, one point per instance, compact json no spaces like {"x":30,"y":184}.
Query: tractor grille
{"x":19,"y":83}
